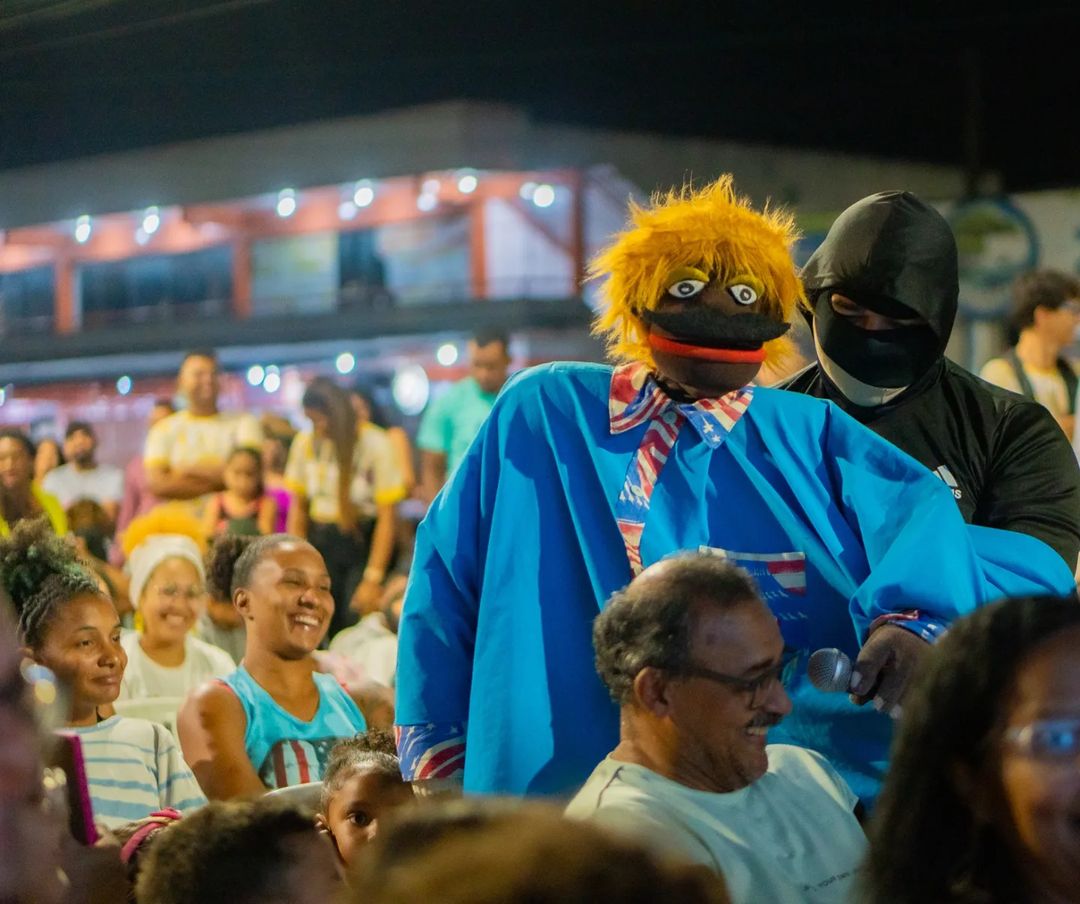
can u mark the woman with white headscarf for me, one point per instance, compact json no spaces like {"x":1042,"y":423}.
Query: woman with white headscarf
{"x":168,"y":584}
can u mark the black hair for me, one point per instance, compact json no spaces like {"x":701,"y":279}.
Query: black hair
{"x":232,"y":852}
{"x":40,"y":572}
{"x":493,"y":852}
{"x":377,"y":414}
{"x":19,"y":436}
{"x":256,"y":456}
{"x":80,"y":427}
{"x":231,"y":559}
{"x":926,"y":842}
{"x":163,"y":402}
{"x":59,"y":446}
{"x":1040,"y":289}
{"x":486,"y":336}
{"x":208,"y":353}
{"x":373,"y":750}
{"x":649,"y":623}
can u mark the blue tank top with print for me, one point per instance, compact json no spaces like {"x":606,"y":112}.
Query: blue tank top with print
{"x":286,"y":750}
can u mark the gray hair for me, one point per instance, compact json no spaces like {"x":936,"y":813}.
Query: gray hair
{"x":649,"y":623}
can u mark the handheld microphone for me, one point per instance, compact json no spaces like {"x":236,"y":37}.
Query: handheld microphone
{"x":829,"y":670}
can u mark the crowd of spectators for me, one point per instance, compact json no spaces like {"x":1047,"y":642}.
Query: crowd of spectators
{"x":219,"y":621}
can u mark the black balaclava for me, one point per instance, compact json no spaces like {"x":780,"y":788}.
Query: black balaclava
{"x":894,"y":255}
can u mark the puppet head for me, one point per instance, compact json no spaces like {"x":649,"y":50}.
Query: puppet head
{"x":700,"y":288}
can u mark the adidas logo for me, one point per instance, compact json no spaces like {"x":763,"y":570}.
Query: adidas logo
{"x":946,"y":475}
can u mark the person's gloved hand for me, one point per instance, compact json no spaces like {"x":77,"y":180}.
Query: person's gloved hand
{"x":885,"y":666}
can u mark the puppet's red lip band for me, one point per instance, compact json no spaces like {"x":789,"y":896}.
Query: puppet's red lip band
{"x":705,"y":353}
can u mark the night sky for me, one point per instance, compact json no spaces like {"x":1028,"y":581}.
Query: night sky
{"x":80,"y":77}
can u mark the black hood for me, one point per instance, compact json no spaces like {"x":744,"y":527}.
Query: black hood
{"x":894,"y":247}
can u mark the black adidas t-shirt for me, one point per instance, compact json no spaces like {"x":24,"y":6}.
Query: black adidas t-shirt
{"x":1007,"y":461}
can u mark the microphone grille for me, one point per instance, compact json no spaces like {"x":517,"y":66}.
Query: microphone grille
{"x":829,"y":670}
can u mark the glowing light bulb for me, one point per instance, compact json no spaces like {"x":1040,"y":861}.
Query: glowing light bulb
{"x":286,"y":203}
{"x":447,"y":354}
{"x":83,"y":228}
{"x":151,"y":221}
{"x":364,"y":193}
{"x":544,"y":196}
{"x":410,"y":389}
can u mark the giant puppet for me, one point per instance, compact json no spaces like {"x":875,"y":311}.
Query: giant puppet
{"x":583,"y":474}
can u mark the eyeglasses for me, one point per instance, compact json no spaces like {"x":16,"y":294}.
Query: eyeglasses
{"x":756,"y":688}
{"x":171,"y":592}
{"x":1048,"y":739}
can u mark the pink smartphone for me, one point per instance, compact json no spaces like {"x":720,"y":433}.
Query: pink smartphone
{"x":67,"y":755}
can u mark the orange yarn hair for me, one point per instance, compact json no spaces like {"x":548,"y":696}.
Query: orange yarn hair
{"x":711,"y":229}
{"x":167,"y":518}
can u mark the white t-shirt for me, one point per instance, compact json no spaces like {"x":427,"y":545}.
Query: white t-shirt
{"x":791,"y":836}
{"x":184,"y":440}
{"x":101,"y":484}
{"x":145,"y":678}
{"x":371,"y":645}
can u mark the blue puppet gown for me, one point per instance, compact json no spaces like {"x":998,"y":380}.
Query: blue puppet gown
{"x":521,"y":550}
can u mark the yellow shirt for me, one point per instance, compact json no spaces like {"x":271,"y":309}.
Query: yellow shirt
{"x":312,"y":472}
{"x":52,"y":508}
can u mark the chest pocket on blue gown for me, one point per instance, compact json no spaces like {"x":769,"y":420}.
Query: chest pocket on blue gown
{"x":781,"y":581}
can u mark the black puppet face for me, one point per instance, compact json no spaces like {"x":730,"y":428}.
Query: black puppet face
{"x":708,"y":333}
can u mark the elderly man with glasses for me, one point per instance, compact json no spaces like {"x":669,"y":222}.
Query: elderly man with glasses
{"x":695,"y":660}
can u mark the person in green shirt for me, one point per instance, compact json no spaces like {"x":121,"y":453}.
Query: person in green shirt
{"x":449,"y":425}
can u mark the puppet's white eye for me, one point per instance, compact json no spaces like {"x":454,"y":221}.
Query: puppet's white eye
{"x":743,"y":294}
{"x":686,"y":288}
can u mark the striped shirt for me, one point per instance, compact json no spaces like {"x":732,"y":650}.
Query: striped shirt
{"x":134,"y":767}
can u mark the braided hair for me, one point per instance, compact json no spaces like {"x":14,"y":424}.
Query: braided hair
{"x":40,"y":572}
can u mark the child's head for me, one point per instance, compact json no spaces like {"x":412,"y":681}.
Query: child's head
{"x":240,"y":852}
{"x":361,"y":784}
{"x":66,"y":622}
{"x":89,"y":520}
{"x":243,"y":473}
{"x":168,"y":586}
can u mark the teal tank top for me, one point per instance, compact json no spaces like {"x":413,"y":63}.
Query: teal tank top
{"x":286,"y":750}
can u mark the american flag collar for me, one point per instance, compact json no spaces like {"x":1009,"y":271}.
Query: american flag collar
{"x":637,"y":398}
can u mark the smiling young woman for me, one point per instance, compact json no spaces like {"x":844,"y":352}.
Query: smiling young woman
{"x":69,"y":625}
{"x":272,"y":722}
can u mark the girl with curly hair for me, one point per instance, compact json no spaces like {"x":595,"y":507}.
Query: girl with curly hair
{"x":68,"y":624}
{"x":361,"y":785}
